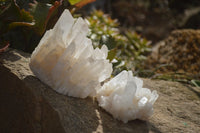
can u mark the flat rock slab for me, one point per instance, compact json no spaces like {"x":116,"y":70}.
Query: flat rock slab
{"x":29,"y":106}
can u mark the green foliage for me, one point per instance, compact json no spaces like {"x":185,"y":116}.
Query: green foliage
{"x":186,"y":78}
{"x":13,"y":22}
{"x":178,"y":77}
{"x":103,"y":29}
{"x":129,"y":48}
{"x":40,"y":12}
{"x":24,"y":28}
{"x":12,"y":14}
{"x":196,"y":83}
{"x":73,"y":2}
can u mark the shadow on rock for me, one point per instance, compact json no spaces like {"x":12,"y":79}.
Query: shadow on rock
{"x":83,"y":115}
{"x":109,"y":124}
{"x":13,"y":56}
{"x":74,"y":114}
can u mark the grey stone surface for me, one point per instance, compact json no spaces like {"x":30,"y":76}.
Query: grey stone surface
{"x":29,"y":106}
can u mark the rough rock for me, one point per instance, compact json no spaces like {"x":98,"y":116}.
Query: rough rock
{"x":29,"y":106}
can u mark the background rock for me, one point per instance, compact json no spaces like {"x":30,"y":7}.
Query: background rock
{"x":180,"y":50}
{"x":28,"y":105}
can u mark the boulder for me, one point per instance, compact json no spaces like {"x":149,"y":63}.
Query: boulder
{"x":29,"y":106}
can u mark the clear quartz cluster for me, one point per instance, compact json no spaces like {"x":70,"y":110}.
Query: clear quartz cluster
{"x":66,"y":60}
{"x":124,"y":97}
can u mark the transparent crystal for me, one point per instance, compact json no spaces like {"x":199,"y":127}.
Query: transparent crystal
{"x":124,"y":97}
{"x":66,"y":60}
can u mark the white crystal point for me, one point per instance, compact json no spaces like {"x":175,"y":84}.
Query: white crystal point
{"x":66,"y":60}
{"x":124,"y":97}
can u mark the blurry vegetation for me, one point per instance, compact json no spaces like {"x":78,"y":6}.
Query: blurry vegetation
{"x":127,"y":50}
{"x":181,"y":5}
{"x":155,"y":19}
{"x":180,"y":52}
{"x":23,"y":22}
{"x":196,"y":83}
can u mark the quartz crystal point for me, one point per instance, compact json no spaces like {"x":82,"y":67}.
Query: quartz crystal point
{"x":124,"y":97}
{"x":66,"y":60}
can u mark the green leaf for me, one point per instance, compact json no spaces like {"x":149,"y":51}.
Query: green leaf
{"x":25,"y":16}
{"x":83,"y":3}
{"x":42,"y":12}
{"x":73,"y":2}
{"x":17,"y":24}
{"x":196,"y":83}
{"x":13,"y":13}
{"x":39,"y":12}
{"x":110,"y":42}
{"x":111,"y":54}
{"x":141,"y":57}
